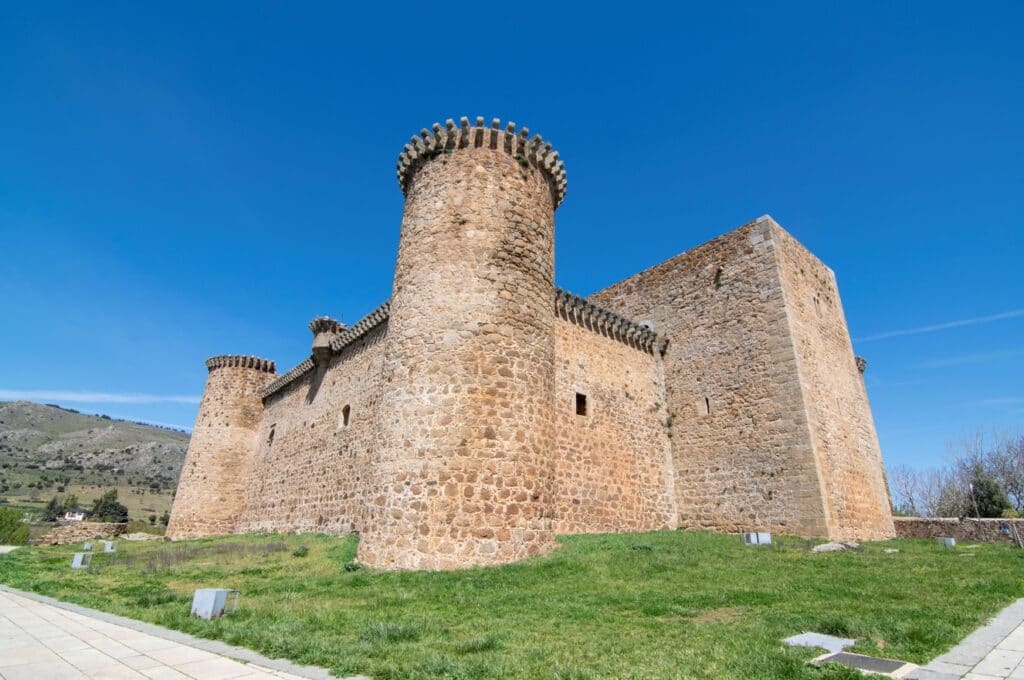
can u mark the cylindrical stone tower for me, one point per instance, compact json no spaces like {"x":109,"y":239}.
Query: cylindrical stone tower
{"x":466,"y":418}
{"x":211,"y":490}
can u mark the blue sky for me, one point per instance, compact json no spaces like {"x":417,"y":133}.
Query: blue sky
{"x":186,"y":180}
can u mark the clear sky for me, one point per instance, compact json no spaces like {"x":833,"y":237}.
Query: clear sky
{"x":184,"y":180}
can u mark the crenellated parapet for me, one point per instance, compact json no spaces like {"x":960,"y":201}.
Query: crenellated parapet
{"x":304,"y":367}
{"x":528,"y":152}
{"x":240,"y":361}
{"x":345,"y":337}
{"x":584,"y":313}
{"x":362,"y":327}
{"x":568,"y":306}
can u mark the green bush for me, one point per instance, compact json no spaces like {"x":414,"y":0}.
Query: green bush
{"x":108,"y":509}
{"x":12,"y":530}
{"x":301,"y":551}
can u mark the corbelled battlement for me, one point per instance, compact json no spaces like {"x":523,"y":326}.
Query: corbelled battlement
{"x":240,"y":361}
{"x":568,"y":306}
{"x":304,"y":367}
{"x":362,"y":327}
{"x":345,"y":338}
{"x":584,"y":313}
{"x":528,"y":152}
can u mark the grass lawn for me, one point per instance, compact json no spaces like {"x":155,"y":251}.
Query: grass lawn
{"x":655,"y":605}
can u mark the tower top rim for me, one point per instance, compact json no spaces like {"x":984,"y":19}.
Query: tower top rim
{"x":240,"y":361}
{"x":449,"y":138}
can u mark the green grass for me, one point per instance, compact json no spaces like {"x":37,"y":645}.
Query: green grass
{"x":656,"y":605}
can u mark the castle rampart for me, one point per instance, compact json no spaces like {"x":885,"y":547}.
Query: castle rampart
{"x":481,"y":411}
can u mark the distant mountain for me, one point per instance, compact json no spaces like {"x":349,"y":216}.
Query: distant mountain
{"x":47,"y":450}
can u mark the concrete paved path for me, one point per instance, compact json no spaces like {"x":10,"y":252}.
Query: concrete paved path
{"x":993,"y":652}
{"x":42,"y":639}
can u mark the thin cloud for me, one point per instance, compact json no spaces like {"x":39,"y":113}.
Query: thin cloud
{"x":1012,"y":314}
{"x":96,"y":397}
{"x":970,"y":358}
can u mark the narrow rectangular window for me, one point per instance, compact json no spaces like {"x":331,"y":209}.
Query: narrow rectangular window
{"x":581,"y":404}
{"x":346,"y":411}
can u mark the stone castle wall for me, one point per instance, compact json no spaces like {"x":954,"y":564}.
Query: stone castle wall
{"x":967,"y":529}
{"x":740,"y":435}
{"x":613,"y":464}
{"x":842,"y":430}
{"x":218,"y":464}
{"x":314,"y":472}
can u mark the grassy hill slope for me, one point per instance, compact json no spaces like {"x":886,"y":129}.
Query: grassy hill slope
{"x":46,"y":450}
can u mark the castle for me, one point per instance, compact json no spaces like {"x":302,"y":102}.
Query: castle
{"x":481,"y":411}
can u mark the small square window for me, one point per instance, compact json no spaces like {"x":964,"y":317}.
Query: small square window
{"x":581,"y":404}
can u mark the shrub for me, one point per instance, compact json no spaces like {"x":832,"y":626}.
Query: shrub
{"x":12,"y":530}
{"x":988,"y":497}
{"x":108,"y":509}
{"x":301,"y":551}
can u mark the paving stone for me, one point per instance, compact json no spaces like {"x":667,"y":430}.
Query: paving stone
{"x":217,"y":668}
{"x":50,"y":670}
{"x":44,"y":639}
{"x":180,"y":654}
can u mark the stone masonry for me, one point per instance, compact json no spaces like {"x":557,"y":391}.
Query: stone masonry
{"x":481,"y":411}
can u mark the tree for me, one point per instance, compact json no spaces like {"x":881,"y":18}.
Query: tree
{"x":108,"y":509}
{"x":152,"y":520}
{"x":994,"y":471}
{"x":165,"y":518}
{"x":53,"y":510}
{"x":12,"y":530}
{"x":1007,"y":466}
{"x":987,"y":495}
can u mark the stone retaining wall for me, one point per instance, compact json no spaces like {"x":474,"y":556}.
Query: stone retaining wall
{"x":967,"y":529}
{"x":78,"y":532}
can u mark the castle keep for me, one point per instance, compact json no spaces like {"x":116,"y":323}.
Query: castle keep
{"x":481,"y":411}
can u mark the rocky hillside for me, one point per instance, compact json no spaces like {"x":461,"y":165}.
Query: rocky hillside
{"x":45,"y":448}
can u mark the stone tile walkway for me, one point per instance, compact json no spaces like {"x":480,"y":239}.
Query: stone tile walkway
{"x":993,"y":652}
{"x":42,"y":639}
